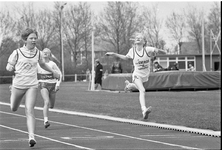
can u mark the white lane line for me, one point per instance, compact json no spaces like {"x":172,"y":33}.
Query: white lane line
{"x":136,"y":122}
{"x":170,"y":136}
{"x":113,"y":133}
{"x":89,"y":137}
{"x":65,"y":143}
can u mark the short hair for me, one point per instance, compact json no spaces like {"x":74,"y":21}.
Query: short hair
{"x":27,"y":32}
{"x":156,"y":63}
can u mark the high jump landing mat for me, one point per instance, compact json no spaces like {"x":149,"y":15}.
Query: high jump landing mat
{"x":168,"y":80}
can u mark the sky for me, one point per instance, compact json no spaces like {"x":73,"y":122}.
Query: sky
{"x":165,"y":8}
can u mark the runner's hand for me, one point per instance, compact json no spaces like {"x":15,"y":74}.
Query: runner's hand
{"x":109,"y":53}
{"x":56,"y":74}
{"x":10,"y":67}
{"x":56,"y":88}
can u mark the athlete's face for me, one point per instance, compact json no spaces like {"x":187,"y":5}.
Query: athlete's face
{"x":31,"y":41}
{"x":46,"y":53}
{"x":139,"y":39}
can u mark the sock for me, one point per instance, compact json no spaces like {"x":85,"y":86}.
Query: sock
{"x":31,"y":136}
{"x":46,"y":119}
{"x":143,"y":108}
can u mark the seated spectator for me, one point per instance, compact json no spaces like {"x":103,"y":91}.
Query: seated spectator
{"x":191,"y":67}
{"x":105,"y":74}
{"x":175,"y":66}
{"x":157,"y":67}
{"x":116,"y":67}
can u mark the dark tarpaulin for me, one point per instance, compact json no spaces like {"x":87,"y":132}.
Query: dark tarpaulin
{"x":167,"y":80}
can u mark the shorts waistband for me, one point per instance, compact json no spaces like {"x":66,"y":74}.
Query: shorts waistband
{"x":44,"y":76}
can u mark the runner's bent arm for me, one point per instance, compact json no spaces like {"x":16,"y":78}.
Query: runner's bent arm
{"x":47,"y":68}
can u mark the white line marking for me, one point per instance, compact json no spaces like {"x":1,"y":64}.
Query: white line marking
{"x":15,"y":140}
{"x":89,"y":137}
{"x":112,"y":133}
{"x":131,"y":121}
{"x":65,"y":143}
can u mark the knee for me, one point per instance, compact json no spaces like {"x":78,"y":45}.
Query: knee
{"x":142,"y":91}
{"x":29,"y":111}
{"x":46,"y":103}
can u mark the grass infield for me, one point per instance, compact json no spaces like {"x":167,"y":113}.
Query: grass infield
{"x":195,"y":109}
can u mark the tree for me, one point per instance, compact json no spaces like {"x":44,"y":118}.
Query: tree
{"x":214,"y":23}
{"x":27,"y":17}
{"x":152,"y":26}
{"x":214,"y":18}
{"x":117,"y":24}
{"x":176,"y":25}
{"x":77,"y":28}
{"x":194,"y":20}
{"x":7,"y":26}
{"x":45,"y":25}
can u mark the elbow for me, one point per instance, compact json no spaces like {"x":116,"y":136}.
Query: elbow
{"x":42,"y":65}
{"x":9,"y":67}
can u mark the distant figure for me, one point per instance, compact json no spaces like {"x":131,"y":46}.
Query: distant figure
{"x":116,"y":67}
{"x":157,"y":67}
{"x":87,"y":74}
{"x":191,"y":67}
{"x":105,"y":74}
{"x":99,"y":74}
{"x":175,"y":66}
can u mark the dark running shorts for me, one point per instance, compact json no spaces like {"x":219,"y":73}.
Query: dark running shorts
{"x":49,"y":86}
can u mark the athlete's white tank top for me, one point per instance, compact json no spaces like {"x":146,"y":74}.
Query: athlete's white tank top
{"x":141,"y":62}
{"x":25,"y":63}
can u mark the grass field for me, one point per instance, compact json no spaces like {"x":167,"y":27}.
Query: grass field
{"x":196,"y":109}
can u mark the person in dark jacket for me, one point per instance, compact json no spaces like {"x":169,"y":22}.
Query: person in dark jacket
{"x":99,"y":74}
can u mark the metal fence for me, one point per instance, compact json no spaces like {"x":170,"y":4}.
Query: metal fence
{"x":71,"y":77}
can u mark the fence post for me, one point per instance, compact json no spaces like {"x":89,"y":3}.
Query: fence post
{"x":75,"y":77}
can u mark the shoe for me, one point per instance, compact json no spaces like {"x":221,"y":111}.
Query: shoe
{"x":126,"y":86}
{"x":32,"y":142}
{"x":146,"y":112}
{"x":46,"y":124}
{"x":129,"y":86}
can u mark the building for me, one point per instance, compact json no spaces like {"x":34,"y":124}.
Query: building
{"x":196,"y":59}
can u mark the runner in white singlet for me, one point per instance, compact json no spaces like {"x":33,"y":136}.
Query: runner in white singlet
{"x":48,"y":85}
{"x":23,"y":62}
{"x":141,"y":55}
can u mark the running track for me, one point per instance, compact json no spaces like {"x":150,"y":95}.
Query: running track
{"x":79,"y":132}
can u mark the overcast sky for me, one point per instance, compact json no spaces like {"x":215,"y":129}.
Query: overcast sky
{"x":165,"y":8}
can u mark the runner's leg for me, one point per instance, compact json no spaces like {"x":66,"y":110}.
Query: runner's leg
{"x":45,"y":96}
{"x":16,"y":97}
{"x":31,"y":96}
{"x":140,"y":87}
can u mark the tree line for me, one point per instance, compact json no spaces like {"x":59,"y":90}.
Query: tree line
{"x":114,"y":27}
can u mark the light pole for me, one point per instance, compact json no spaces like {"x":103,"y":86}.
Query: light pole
{"x":61,"y":44}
